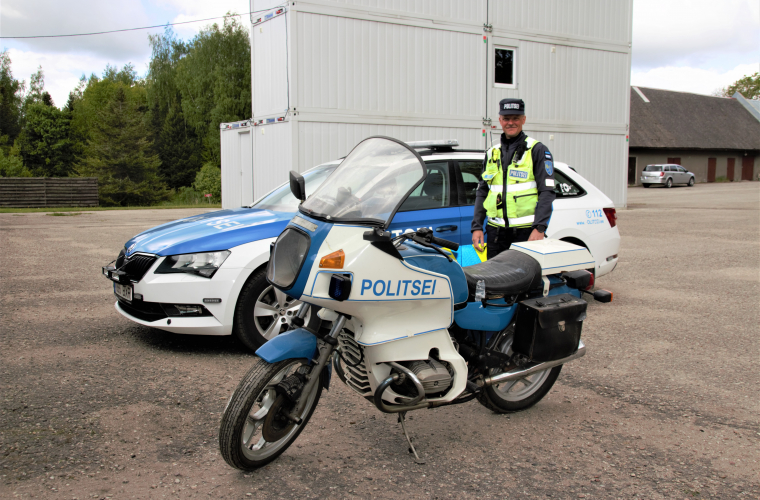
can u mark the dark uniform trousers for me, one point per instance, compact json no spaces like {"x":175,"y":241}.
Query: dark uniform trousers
{"x":500,"y":238}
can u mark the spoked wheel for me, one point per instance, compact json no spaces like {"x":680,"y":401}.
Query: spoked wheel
{"x":254,"y":430}
{"x":520,"y":394}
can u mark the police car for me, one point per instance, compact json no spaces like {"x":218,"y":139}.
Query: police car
{"x":207,"y":274}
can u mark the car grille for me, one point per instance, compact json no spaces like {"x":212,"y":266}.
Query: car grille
{"x":356,"y":376}
{"x":146,"y":311}
{"x":135,"y":266}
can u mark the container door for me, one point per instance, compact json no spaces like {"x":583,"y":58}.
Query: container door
{"x":748,"y":163}
{"x":246,"y":168}
{"x":711,"y":167}
{"x":269,"y":62}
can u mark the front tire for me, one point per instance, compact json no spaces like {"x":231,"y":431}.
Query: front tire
{"x":263,"y":312}
{"x":691,"y":181}
{"x":241,"y":432}
{"x":521,"y":394}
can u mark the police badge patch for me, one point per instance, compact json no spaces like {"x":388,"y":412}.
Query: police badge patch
{"x":549,"y":166}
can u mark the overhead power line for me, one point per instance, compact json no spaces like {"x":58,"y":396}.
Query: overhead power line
{"x":136,"y":29}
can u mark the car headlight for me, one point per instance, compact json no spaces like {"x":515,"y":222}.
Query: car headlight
{"x":203,"y":264}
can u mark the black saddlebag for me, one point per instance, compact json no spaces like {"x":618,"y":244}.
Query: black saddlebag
{"x":549,"y":328}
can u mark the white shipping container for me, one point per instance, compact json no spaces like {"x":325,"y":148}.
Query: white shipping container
{"x":328,"y":73}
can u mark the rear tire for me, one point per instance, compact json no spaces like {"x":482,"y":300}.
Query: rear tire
{"x":521,"y":394}
{"x":263,"y":312}
{"x":669,"y":183}
{"x":646,"y":185}
{"x":241,"y":440}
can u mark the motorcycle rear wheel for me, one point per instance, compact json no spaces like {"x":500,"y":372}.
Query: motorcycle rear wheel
{"x":517,"y":395}
{"x":241,"y":440}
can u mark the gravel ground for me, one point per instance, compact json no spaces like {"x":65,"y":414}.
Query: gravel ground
{"x":664,"y":405}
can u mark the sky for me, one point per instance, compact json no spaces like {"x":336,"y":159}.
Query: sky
{"x":687,"y":45}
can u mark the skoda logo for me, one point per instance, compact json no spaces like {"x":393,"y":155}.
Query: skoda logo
{"x":131,"y":247}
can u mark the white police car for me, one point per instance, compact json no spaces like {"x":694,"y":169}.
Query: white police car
{"x":207,"y":274}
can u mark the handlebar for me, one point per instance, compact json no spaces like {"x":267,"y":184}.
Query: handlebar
{"x":444,"y":243}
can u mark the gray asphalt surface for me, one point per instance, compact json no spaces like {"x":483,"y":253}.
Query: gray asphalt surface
{"x":664,"y":405}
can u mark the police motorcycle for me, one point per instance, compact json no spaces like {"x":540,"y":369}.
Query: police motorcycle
{"x":404,"y":325}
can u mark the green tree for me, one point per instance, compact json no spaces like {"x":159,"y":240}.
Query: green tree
{"x":44,"y":143}
{"x":118,"y":151}
{"x":36,"y":88}
{"x":209,"y":181}
{"x":749,"y":87}
{"x":11,"y":164}
{"x":179,"y":151}
{"x":214,"y":80}
{"x":11,"y":92}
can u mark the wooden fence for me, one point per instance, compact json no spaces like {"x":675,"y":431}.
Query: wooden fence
{"x":32,"y":192}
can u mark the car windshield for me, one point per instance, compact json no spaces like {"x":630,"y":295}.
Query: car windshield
{"x":653,"y":168}
{"x":282,"y":199}
{"x":370,"y":184}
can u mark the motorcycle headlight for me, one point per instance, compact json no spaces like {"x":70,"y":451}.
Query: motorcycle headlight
{"x":203,"y":264}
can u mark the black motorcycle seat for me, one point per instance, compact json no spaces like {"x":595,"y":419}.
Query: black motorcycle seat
{"x":509,"y":273}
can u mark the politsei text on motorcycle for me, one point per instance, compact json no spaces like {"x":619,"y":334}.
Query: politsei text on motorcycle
{"x":398,"y":288}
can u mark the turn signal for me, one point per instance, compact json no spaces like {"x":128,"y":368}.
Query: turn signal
{"x":334,"y":260}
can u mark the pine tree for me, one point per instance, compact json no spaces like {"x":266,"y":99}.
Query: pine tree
{"x":118,"y":152}
{"x":11,"y":91}
{"x":179,"y":151}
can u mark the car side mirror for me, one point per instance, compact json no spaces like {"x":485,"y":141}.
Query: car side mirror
{"x":297,"y":185}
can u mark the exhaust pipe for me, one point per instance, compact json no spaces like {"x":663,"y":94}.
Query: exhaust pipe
{"x":524,"y":372}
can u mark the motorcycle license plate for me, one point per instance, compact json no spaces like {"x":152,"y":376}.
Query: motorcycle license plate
{"x":123,"y":291}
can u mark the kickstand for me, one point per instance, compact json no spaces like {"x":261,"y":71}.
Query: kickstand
{"x":401,"y":419}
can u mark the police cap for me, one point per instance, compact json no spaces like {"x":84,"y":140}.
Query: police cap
{"x":511,"y":107}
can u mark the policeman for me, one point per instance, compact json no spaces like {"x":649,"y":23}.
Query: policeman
{"x":517,"y":187}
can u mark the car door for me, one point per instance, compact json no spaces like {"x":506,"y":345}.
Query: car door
{"x":430,"y":205}
{"x":468,"y":172}
{"x":683,"y":174}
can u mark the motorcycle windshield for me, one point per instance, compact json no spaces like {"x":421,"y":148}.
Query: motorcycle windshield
{"x":370,"y":185}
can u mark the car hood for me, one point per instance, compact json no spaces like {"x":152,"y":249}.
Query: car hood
{"x":220,"y":230}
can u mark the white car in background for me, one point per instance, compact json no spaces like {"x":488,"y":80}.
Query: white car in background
{"x":206,"y":274}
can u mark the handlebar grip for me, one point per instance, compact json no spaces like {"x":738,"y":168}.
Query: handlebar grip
{"x":445,"y":243}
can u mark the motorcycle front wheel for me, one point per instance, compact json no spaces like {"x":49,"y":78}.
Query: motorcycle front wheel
{"x":521,"y":394}
{"x":253,"y":405}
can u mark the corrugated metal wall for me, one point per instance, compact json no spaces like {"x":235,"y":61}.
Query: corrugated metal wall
{"x":596,"y":19}
{"x":469,"y":10}
{"x":597,"y":157}
{"x":321,"y":142}
{"x":357,"y":65}
{"x":269,"y":68}
{"x":570,"y":86}
{"x":272,"y":156}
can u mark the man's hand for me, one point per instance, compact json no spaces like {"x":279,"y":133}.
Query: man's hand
{"x":477,"y":240}
{"x":534,"y":236}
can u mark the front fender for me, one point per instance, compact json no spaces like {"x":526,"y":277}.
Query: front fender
{"x":295,"y":344}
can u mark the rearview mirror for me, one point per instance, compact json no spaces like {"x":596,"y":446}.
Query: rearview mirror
{"x":297,"y":185}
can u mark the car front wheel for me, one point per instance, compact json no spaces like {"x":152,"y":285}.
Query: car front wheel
{"x":263,"y":312}
{"x":691,"y":181}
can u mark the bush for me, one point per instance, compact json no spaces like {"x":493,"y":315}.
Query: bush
{"x":208,"y":180}
{"x":12,"y":166}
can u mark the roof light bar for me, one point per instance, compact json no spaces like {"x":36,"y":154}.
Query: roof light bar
{"x":437,"y":143}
